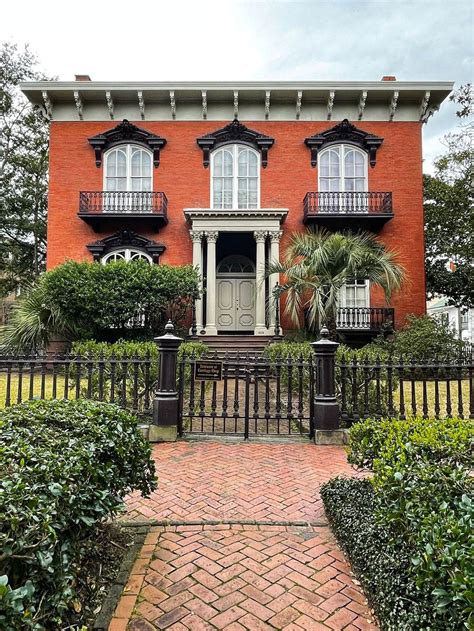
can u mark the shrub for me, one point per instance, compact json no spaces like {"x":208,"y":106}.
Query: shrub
{"x":423,"y":498}
{"x":395,"y":443}
{"x":424,"y":337}
{"x":382,"y":567}
{"x":91,"y":300}
{"x":67,"y":466}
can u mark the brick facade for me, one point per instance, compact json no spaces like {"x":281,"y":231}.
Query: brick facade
{"x":284,"y":183}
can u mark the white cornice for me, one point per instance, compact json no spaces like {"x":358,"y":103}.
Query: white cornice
{"x":260,"y":213}
{"x":251,"y":100}
{"x":237,"y":85}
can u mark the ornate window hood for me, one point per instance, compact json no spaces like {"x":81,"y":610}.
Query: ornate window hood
{"x":344,"y":132}
{"x":126,"y":132}
{"x":126,"y":238}
{"x":235,"y":132}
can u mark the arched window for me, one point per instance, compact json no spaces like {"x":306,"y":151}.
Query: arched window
{"x":342,"y":169}
{"x":128,"y":168}
{"x":125,"y":254}
{"x":235,"y":177}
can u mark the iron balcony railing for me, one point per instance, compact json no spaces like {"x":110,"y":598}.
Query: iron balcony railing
{"x":365,"y":318}
{"x":123,"y":202}
{"x":362,"y":203}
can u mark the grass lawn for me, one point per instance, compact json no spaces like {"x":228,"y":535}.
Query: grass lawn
{"x":430,"y":391}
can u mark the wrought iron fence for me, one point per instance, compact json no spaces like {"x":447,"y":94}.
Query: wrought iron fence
{"x":127,"y":381}
{"x":255,"y":396}
{"x":398,"y":388}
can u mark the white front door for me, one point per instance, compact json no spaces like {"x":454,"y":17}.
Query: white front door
{"x":235,"y":304}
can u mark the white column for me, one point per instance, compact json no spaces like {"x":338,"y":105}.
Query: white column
{"x":260,"y":328}
{"x":196,"y":236}
{"x":211,"y":328}
{"x":274,"y":278}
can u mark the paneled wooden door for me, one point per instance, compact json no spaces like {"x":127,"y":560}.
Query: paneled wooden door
{"x":236,"y":304}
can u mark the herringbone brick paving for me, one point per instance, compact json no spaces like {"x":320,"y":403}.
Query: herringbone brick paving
{"x":246,"y":481}
{"x":233,"y":576}
{"x":237,"y":577}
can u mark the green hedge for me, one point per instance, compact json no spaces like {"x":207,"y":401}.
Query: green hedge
{"x":375,"y":444}
{"x":66,"y":466}
{"x":422,"y":500}
{"x":382,"y":567}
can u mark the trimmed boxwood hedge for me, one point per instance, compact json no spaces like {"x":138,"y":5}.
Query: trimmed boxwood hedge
{"x":411,"y":525}
{"x":382,"y":567}
{"x":66,"y":466}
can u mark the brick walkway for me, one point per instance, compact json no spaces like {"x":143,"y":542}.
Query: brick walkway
{"x":244,"y":576}
{"x":232,"y":481}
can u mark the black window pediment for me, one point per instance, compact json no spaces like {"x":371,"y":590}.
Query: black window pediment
{"x":126,"y":238}
{"x":344,"y":132}
{"x":235,"y":132}
{"x":126,"y":132}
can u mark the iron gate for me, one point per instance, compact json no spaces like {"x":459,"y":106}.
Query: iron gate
{"x":254,"y":396}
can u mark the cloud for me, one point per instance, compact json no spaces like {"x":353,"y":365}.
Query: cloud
{"x":225,"y":40}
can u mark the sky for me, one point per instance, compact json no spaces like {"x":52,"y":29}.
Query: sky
{"x":176,"y":40}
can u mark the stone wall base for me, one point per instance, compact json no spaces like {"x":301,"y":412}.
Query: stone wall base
{"x":331,"y":436}
{"x":160,"y":434}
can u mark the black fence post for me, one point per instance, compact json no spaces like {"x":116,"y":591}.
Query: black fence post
{"x":326,"y":406}
{"x":166,"y":401}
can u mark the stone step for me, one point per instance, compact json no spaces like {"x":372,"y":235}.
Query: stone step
{"x":234,"y":343}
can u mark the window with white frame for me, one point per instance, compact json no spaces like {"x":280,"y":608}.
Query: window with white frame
{"x":235,"y":177}
{"x":464,"y":320}
{"x":354,"y":298}
{"x":125,"y":254}
{"x":342,"y":169}
{"x":128,"y":168}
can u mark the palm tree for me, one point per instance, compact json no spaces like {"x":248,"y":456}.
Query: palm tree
{"x":319,"y":263}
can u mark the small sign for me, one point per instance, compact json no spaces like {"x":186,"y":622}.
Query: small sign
{"x":208,"y":370}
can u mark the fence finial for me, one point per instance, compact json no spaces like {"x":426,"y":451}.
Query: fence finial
{"x":324,"y":332}
{"x":169,"y":328}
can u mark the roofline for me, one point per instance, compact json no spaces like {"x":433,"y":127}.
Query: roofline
{"x":85,"y":86}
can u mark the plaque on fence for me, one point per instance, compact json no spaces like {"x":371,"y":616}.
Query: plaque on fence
{"x":208,"y":370}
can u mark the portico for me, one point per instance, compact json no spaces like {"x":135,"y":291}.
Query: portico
{"x":237,"y":295}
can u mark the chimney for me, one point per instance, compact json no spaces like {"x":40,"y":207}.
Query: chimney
{"x":82,"y":77}
{"x":388,"y":78}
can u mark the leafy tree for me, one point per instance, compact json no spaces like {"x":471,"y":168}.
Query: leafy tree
{"x":449,"y":217}
{"x":23,"y":173}
{"x":81,"y":300}
{"x":319,"y":263}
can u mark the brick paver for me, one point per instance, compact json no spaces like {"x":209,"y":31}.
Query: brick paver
{"x":232,"y":481}
{"x":284,"y":589}
{"x":270,"y":563}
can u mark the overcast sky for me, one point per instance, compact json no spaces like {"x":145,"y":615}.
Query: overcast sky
{"x":279,"y":40}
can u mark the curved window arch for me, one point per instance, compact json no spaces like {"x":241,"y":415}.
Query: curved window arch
{"x":235,"y":177}
{"x":128,"y":168}
{"x":342,"y":169}
{"x":236,"y":264}
{"x":125,"y":254}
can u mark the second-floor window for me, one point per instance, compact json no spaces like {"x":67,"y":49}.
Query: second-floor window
{"x":342,"y":169}
{"x":128,"y":168}
{"x":235,"y":177}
